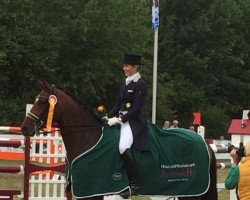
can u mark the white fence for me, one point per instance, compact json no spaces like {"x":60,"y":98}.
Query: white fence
{"x":48,"y":149}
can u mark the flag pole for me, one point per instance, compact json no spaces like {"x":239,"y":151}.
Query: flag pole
{"x":155,"y":26}
{"x":155,"y":76}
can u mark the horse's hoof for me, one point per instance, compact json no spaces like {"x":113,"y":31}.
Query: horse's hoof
{"x":125,"y":194}
{"x":133,"y":191}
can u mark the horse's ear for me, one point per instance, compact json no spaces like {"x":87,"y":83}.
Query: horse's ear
{"x":43,"y":84}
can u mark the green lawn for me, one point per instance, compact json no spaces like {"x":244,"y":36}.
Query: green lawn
{"x":221,"y":176}
{"x":11,"y":181}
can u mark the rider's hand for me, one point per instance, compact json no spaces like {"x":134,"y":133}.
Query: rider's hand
{"x":114,"y":120}
{"x":105,"y":118}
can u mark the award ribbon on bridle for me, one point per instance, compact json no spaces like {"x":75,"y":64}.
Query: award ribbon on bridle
{"x":52,"y":103}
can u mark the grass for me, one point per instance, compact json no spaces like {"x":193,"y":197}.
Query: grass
{"x":15,"y":181}
{"x":11,"y":181}
{"x":223,"y":194}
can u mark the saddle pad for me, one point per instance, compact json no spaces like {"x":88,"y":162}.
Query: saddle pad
{"x":176,"y":165}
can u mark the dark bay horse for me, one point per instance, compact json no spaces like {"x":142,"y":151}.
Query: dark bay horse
{"x":81,"y":129}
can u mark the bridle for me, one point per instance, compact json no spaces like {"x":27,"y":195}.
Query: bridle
{"x":38,"y":122}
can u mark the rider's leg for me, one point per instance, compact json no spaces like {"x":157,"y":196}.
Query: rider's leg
{"x":130,"y":168}
{"x":126,"y":141}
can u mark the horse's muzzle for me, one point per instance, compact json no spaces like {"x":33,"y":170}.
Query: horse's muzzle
{"x":25,"y":131}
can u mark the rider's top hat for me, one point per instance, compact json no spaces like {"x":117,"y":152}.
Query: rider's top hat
{"x":132,"y":59}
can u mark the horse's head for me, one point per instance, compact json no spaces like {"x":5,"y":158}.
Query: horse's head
{"x":37,"y":117}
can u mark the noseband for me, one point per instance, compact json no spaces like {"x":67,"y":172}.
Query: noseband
{"x":38,"y":123}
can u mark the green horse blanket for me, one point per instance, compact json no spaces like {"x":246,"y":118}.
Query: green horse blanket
{"x":176,"y":165}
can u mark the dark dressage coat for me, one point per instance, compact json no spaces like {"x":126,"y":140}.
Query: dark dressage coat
{"x":131,"y":100}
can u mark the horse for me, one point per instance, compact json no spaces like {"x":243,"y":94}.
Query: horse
{"x":82,"y":128}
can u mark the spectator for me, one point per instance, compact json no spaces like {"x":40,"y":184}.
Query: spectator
{"x":240,"y":174}
{"x":222,"y":137}
{"x":191,"y":128}
{"x":166,"y":125}
{"x":175,"y":124}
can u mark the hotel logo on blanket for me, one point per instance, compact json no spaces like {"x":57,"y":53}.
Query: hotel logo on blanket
{"x":117,"y":176}
{"x":177,"y":172}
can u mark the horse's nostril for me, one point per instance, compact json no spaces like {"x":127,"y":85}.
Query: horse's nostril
{"x":24,"y":130}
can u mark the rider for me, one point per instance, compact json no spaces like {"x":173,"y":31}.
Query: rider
{"x":128,"y":112}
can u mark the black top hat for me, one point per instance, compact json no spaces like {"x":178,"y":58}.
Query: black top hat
{"x":132,"y":59}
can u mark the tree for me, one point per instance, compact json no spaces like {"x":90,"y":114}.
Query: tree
{"x":76,"y":45}
{"x":205,"y":42}
{"x":26,"y":52}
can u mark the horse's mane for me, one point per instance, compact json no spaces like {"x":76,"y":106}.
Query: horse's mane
{"x":82,"y":105}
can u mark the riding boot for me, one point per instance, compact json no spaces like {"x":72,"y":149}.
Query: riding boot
{"x":131,"y":171}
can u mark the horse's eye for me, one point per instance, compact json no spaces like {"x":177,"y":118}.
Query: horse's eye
{"x":43,"y":101}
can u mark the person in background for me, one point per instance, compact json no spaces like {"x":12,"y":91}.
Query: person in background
{"x":175,"y":124}
{"x":166,"y":125}
{"x":222,"y":137}
{"x":128,"y":112}
{"x":240,"y":173}
{"x":191,"y":128}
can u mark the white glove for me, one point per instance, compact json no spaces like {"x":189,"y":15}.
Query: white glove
{"x":105,"y":118}
{"x":114,"y":120}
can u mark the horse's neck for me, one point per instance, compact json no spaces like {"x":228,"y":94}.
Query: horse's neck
{"x":80,"y":129}
{"x":73,"y":114}
{"x":78,"y":140}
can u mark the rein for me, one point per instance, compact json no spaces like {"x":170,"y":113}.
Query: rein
{"x":37,"y":121}
{"x":81,"y":126}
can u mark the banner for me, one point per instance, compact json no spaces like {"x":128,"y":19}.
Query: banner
{"x":155,"y":15}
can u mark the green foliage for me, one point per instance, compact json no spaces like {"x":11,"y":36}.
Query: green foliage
{"x":180,"y":98}
{"x":203,"y":56}
{"x":206,"y":42}
{"x":11,"y":111}
{"x":215,"y":117}
{"x":77,"y":45}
